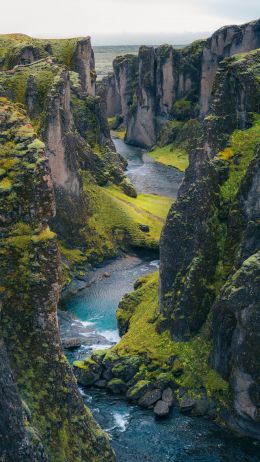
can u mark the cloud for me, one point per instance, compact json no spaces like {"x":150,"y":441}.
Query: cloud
{"x":61,"y":18}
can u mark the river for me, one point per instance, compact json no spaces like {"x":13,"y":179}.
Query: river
{"x":135,"y":435}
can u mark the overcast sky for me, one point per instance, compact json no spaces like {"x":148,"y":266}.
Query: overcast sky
{"x":124,"y":21}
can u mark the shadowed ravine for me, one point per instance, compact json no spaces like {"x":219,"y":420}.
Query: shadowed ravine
{"x":135,"y":435}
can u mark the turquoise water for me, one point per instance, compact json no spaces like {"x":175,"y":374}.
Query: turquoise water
{"x":97,"y":304}
{"x":135,"y":435}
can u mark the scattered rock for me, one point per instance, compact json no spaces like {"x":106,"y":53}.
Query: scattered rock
{"x":167,"y":396}
{"x":125,"y":371}
{"x":87,"y":372}
{"x":107,"y":374}
{"x":161,"y":409}
{"x":186,"y":403}
{"x":201,"y":407}
{"x":139,"y":389}
{"x":98,"y":356}
{"x":71,"y":343}
{"x":150,"y":398}
{"x":144,"y":228}
{"x":117,"y":386}
{"x":106,"y":275}
{"x":101,"y":383}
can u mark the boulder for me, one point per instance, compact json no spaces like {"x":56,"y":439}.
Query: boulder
{"x":117,"y":386}
{"x":101,"y":384}
{"x":71,"y":343}
{"x":87,"y":372}
{"x":161,"y":409}
{"x":201,"y":407}
{"x":139,"y":389}
{"x":144,"y":228}
{"x":167,"y":396}
{"x":186,"y":403}
{"x":125,"y":370}
{"x":98,"y":356}
{"x":150,"y":398}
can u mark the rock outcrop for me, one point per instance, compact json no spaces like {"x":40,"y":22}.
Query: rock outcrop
{"x":173,"y":84}
{"x":48,"y":420}
{"x":225,"y":42}
{"x":209,"y":260}
{"x":68,"y":112}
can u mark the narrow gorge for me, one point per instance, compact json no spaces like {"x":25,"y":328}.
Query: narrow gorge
{"x":129,"y":242}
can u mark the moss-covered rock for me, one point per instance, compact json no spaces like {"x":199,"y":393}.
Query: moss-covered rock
{"x":117,"y":386}
{"x":30,"y":272}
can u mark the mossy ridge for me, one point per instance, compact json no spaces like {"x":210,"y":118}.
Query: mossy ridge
{"x":29,"y":271}
{"x":14,"y":85}
{"x":63,"y":50}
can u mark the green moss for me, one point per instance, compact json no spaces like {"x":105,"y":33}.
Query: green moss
{"x":5,"y":185}
{"x":238,"y":155}
{"x":144,"y":340}
{"x":181,"y":109}
{"x":44,"y":235}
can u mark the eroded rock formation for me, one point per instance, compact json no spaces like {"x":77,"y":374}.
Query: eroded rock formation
{"x":48,"y":420}
{"x":171,"y":83}
{"x":210,"y":243}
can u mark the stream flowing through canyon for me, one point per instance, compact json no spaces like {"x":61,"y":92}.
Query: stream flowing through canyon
{"x":135,"y":435}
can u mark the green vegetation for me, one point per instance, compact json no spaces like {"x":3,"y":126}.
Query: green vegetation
{"x":238,"y":155}
{"x":116,"y":218}
{"x":172,"y":156}
{"x":12,"y":46}
{"x":144,"y":340}
{"x":182,"y":109}
{"x":15,"y":84}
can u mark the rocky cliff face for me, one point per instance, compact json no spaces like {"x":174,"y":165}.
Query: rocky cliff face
{"x":75,"y":53}
{"x":209,"y":260}
{"x":59,"y":93}
{"x":225,"y":42}
{"x":48,"y":419}
{"x":174,"y":84}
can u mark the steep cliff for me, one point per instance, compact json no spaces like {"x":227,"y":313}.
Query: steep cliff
{"x":205,"y":270}
{"x":72,"y":122}
{"x":48,"y":420}
{"x":173,"y":84}
{"x":191,"y":336}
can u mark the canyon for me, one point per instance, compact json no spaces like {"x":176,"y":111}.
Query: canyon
{"x":190,"y":331}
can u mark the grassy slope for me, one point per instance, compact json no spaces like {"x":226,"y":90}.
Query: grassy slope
{"x":171,"y":156}
{"x":142,"y":338}
{"x":240,"y":148}
{"x":116,"y":216}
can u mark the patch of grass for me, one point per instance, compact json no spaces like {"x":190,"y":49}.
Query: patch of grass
{"x":120,"y":133}
{"x":238,"y":155}
{"x":116,"y":219}
{"x":171,"y":156}
{"x":151,"y":203}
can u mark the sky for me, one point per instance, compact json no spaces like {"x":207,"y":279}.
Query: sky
{"x":111,"y":22}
